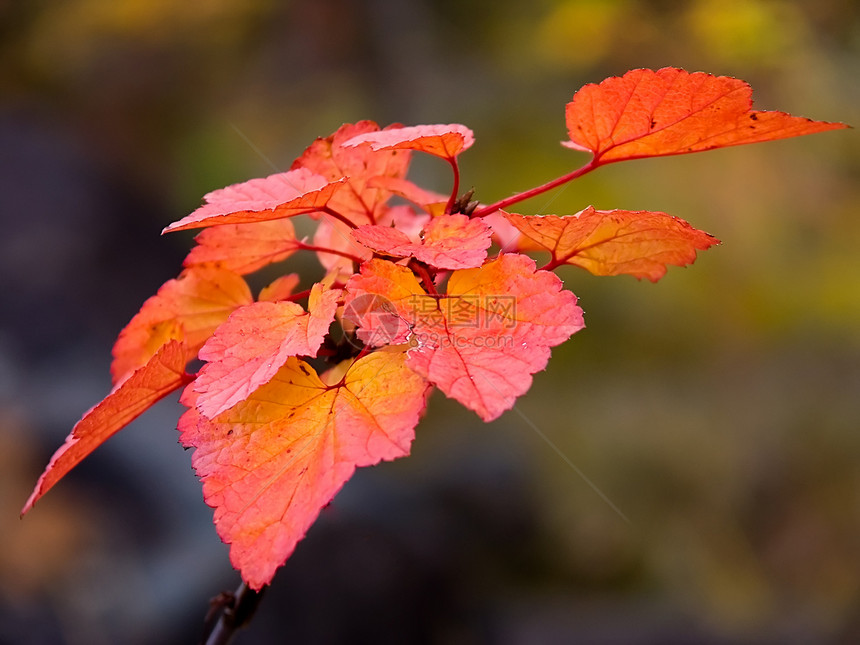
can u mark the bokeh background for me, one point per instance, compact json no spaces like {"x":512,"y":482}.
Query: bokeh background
{"x":718,"y":409}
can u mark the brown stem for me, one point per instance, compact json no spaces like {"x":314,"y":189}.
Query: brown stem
{"x":237,"y":609}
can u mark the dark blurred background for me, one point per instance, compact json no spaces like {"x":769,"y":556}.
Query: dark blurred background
{"x":718,"y":409}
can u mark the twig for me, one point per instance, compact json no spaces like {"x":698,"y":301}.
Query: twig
{"x":237,"y":609}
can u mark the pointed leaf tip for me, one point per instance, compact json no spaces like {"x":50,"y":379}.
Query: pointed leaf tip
{"x":161,"y":375}
{"x":647,"y":113}
{"x":284,"y":194}
{"x":637,"y":243}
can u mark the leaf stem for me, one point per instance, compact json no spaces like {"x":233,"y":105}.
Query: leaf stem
{"x":339,"y":216}
{"x":537,"y":190}
{"x":423,"y":272}
{"x":322,"y":249}
{"x":456,"y":188}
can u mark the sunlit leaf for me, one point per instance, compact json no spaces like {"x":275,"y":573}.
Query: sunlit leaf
{"x":163,"y":373}
{"x":638,"y":243}
{"x":270,"y":464}
{"x":482,"y":340}
{"x":648,"y":113}
{"x":197,"y":302}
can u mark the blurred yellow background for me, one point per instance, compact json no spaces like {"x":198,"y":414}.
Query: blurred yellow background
{"x":718,"y":409}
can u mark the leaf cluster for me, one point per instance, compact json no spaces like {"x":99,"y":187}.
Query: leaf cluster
{"x":298,"y":388}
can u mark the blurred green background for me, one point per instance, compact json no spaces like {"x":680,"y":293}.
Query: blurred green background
{"x":718,"y":409}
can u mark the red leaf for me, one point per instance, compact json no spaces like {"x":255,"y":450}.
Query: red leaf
{"x":362,"y":202}
{"x":481,"y":342}
{"x":446,"y":141}
{"x":335,"y":235}
{"x":638,"y":243}
{"x":161,"y":375}
{"x":272,"y":462}
{"x":244,"y":248}
{"x":197,"y":302}
{"x":668,"y":112}
{"x":248,"y":349}
{"x":429,"y":200}
{"x":505,"y":234}
{"x":284,"y":194}
{"x":449,"y":242}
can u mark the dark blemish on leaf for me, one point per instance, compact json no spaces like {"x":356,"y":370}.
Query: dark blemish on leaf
{"x":653,"y":124}
{"x":754,"y":117}
{"x":229,"y":432}
{"x":304,"y":369}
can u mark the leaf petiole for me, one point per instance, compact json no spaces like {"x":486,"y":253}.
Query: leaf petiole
{"x":538,"y":190}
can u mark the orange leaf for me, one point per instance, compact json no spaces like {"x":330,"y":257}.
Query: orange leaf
{"x":161,"y":375}
{"x":638,"y":243}
{"x":280,"y":288}
{"x":284,"y":194}
{"x":668,"y":112}
{"x":448,"y":242}
{"x":272,"y":462}
{"x":197,"y":302}
{"x":479,"y":343}
{"x":362,"y":202}
{"x":244,"y":248}
{"x":255,"y":341}
{"x":446,"y":141}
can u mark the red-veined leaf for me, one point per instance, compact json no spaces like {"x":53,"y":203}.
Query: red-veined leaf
{"x":244,"y":248}
{"x":163,"y":373}
{"x":284,"y":194}
{"x":638,"y":243}
{"x":270,"y":464}
{"x":648,"y":113}
{"x":479,"y":343}
{"x":248,"y":349}
{"x":430,"y":201}
{"x":449,"y":242}
{"x":361,"y":202}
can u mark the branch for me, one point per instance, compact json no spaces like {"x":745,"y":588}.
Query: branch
{"x":237,"y":608}
{"x":558,"y":181}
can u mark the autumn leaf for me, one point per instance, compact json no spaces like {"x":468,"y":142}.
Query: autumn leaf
{"x":362,"y":202}
{"x":280,"y":288}
{"x":163,"y":373}
{"x":197,"y":301}
{"x":248,"y":349}
{"x":429,"y":201}
{"x":638,"y":243}
{"x":244,"y":248}
{"x":449,"y":242}
{"x":446,"y":141}
{"x":505,"y":234}
{"x":269,"y":464}
{"x":482,"y":340}
{"x":341,"y":250}
{"x":668,"y":112}
{"x":285,"y":194}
